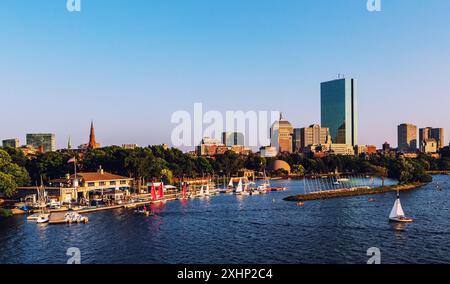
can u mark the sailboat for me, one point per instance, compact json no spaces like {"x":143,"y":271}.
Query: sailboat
{"x":202,"y":192}
{"x":207,"y":192}
{"x":397,"y":214}
{"x":240,"y":188}
{"x":262,"y":188}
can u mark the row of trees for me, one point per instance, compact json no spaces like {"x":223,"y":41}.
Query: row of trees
{"x":158,"y":163}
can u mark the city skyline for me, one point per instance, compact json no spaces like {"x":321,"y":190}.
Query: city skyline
{"x":162,"y":58}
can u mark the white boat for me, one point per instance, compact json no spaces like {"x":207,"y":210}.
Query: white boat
{"x":240,"y":189}
{"x":231,"y":183}
{"x":43,"y":218}
{"x":397,"y":214}
{"x":207,"y":192}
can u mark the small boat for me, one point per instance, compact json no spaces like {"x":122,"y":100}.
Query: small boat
{"x":33,"y":217}
{"x":300,"y":203}
{"x":144,"y":212}
{"x":397,"y":214}
{"x":43,"y":218}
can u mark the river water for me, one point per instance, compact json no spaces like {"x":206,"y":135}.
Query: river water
{"x":254,"y":229}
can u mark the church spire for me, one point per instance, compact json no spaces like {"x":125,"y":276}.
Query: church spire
{"x":92,"y":143}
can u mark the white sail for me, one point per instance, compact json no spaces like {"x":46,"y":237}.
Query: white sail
{"x":397,"y":210}
{"x":207,"y":189}
{"x":201,"y":191}
{"x":239,"y":187}
{"x":231,"y":183}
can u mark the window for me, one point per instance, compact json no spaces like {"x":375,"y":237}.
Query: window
{"x":91,"y":184}
{"x":102,"y":183}
{"x":112,"y":183}
{"x":123,"y":182}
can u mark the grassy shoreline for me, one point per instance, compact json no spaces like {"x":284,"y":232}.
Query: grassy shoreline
{"x":352,"y":192}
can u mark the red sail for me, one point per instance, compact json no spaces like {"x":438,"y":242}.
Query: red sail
{"x":184,"y":190}
{"x":153,"y":192}
{"x":161,"y":190}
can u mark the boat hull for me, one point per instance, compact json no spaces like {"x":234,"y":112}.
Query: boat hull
{"x":401,"y":220}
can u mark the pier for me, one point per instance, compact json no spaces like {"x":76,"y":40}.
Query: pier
{"x":319,"y":195}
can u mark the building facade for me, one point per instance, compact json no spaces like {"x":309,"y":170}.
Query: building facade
{"x":44,"y":141}
{"x":407,"y":138}
{"x":428,"y":133}
{"x":281,"y":135}
{"x":12,"y":143}
{"x":314,"y":135}
{"x":339,"y":110}
{"x":297,"y":140}
{"x":233,"y":139}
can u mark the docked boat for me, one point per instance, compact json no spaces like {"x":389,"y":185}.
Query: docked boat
{"x":43,"y":218}
{"x":74,"y":217}
{"x":240,"y":189}
{"x":144,"y":211}
{"x":397,"y":214}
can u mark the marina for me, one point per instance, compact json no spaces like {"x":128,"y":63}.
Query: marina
{"x":297,"y":233}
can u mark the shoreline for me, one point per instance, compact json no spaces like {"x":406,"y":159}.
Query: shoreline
{"x":339,"y":193}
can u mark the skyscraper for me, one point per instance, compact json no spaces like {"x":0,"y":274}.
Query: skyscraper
{"x":431,"y":133}
{"x":407,"y":138}
{"x":47,"y":141}
{"x":314,"y":135}
{"x":281,"y":135}
{"x":339,"y":110}
{"x":296,"y":140}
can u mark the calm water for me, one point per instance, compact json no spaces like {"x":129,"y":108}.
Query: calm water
{"x":230,"y":229}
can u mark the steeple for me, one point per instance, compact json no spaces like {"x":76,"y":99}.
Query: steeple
{"x":92,"y":143}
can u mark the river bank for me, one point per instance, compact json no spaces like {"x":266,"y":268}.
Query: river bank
{"x":352,"y":192}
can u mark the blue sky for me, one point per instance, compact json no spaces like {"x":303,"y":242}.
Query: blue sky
{"x":128,"y":65}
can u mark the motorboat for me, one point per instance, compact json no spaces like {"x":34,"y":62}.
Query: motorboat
{"x":74,"y":217}
{"x":43,"y":218}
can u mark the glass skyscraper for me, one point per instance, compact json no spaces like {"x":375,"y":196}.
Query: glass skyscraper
{"x":338,"y":110}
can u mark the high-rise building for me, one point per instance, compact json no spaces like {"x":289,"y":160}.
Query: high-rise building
{"x":339,"y":110}
{"x":428,"y":133}
{"x":13,"y":143}
{"x":314,"y":135}
{"x":297,"y":140}
{"x":407,"y":138}
{"x":233,"y":139}
{"x":46,"y":141}
{"x":281,"y":135}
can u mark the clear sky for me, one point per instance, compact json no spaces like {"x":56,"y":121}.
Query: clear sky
{"x":128,"y":65}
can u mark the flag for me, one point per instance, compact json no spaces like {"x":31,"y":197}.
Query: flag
{"x":72,"y":160}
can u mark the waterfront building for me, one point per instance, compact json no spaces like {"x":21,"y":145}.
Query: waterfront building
{"x":232,"y":139}
{"x":268,"y":152}
{"x":211,"y":147}
{"x":90,"y":185}
{"x":339,"y":110}
{"x":407,"y":138}
{"x":12,"y":143}
{"x":431,"y":133}
{"x":92,"y":142}
{"x":314,"y":135}
{"x":281,"y":135}
{"x":44,"y":141}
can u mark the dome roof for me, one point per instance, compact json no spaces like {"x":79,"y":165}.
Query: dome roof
{"x":279,"y":164}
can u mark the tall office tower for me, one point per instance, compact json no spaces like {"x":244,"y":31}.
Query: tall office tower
{"x":428,"y":133}
{"x":281,"y":135}
{"x":339,"y":110}
{"x":314,"y":135}
{"x":233,"y":139}
{"x":13,"y":143}
{"x":45,"y":140}
{"x":297,"y":140}
{"x":407,"y":138}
